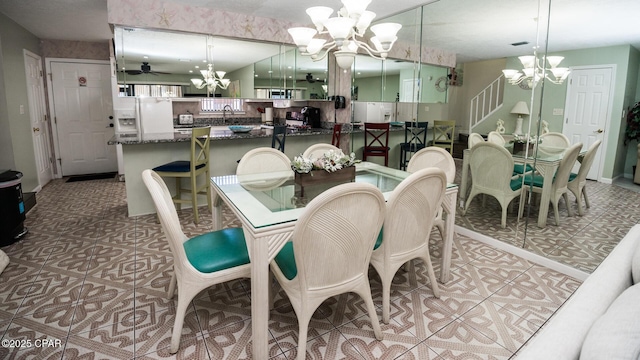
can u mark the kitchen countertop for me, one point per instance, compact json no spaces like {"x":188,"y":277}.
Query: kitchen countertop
{"x":217,"y":133}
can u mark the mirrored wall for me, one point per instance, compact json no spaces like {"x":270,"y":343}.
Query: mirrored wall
{"x":162,"y":63}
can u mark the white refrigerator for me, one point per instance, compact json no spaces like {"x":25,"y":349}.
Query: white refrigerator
{"x":375,"y":112}
{"x":155,"y":116}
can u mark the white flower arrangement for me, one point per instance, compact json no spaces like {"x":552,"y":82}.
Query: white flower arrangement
{"x":521,"y":139}
{"x":330,"y":161}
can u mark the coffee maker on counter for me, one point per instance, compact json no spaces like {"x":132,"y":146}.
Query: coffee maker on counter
{"x":311,"y":116}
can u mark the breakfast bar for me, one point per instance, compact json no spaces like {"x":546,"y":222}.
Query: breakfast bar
{"x":227,"y":147}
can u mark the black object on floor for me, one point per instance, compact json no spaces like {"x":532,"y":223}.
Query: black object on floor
{"x":109,"y":175}
{"x":29,"y":201}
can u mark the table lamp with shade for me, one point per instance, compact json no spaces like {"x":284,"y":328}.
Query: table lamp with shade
{"x":521,"y":109}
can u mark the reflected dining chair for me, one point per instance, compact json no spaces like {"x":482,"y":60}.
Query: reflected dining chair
{"x":411,"y":208}
{"x":329,"y":252}
{"x":335,"y":136}
{"x":491,"y":168}
{"x":474,"y":138}
{"x":199,"y":262}
{"x":558,"y":187}
{"x":263,"y":159}
{"x":440,"y":158}
{"x":496,"y":138}
{"x":555,"y":139}
{"x":415,"y":139}
{"x":316,"y":151}
{"x":198,"y":164}
{"x":376,"y":141}
{"x":278,"y":137}
{"x":578,"y":182}
{"x":444,"y":134}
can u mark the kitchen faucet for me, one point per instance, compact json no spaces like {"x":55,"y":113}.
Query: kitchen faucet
{"x":224,"y":113}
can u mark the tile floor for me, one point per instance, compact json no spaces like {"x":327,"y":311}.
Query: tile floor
{"x":94,"y":279}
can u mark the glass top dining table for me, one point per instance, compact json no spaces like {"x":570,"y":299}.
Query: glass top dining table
{"x":268,"y":206}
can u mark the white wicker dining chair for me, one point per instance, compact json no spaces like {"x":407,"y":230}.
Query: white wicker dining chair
{"x":555,"y":139}
{"x":411,"y":209}
{"x":491,"y":168}
{"x":496,"y":138}
{"x":263,"y":159}
{"x":474,"y":138}
{"x":199,"y":262}
{"x":330,"y":251}
{"x":559,"y":185}
{"x":440,"y":158}
{"x":317,"y":150}
{"x":578,"y":182}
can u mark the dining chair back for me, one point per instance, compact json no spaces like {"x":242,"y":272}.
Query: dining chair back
{"x":578,"y":182}
{"x":198,"y":262}
{"x":474,"y":138}
{"x":444,"y":134}
{"x":279,"y":136}
{"x":440,"y":158}
{"x":411,"y":208}
{"x":559,"y":186}
{"x":337,"y":132}
{"x":261,"y":160}
{"x":554,"y":139}
{"x":491,"y":168}
{"x":376,"y":141}
{"x":496,"y":138}
{"x":415,"y":139}
{"x":198,"y":164}
{"x":316,"y":151}
{"x":329,"y":252}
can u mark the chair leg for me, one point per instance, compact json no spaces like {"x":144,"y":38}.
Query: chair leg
{"x":556,"y":215}
{"x":386,"y":280}
{"x":172,"y":285}
{"x":184,"y":300}
{"x":178,"y":193}
{"x":365,"y":293}
{"x":194,"y":199}
{"x":566,"y":201}
{"x":523,"y":200}
{"x":586,"y":199}
{"x":303,"y":328}
{"x":432,"y":275}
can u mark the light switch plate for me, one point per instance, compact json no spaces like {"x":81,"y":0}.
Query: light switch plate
{"x":558,"y":112}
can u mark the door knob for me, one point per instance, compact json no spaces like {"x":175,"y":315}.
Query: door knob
{"x":599,"y":131}
{"x":36,"y":129}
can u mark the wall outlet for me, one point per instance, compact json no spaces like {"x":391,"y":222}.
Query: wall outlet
{"x":426,"y":108}
{"x":558,"y":112}
{"x":21,"y":109}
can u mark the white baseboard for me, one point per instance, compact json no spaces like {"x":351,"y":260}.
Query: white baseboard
{"x":525,"y":254}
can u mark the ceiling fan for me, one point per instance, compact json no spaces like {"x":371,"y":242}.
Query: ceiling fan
{"x":309,"y":78}
{"x":145,"y":68}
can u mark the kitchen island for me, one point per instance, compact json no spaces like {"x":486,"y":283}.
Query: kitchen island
{"x":226,"y":148}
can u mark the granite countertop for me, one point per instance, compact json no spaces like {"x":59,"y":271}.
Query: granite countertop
{"x":182,"y":134}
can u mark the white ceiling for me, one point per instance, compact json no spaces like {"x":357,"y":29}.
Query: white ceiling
{"x":473,"y":29}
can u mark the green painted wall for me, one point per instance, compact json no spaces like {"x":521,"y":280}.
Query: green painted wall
{"x":14,"y":39}
{"x":370,"y":88}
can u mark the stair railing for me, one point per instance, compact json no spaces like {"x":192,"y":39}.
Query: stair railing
{"x":488,"y":101}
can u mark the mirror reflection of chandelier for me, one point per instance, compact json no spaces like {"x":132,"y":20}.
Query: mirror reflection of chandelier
{"x":533,"y":72}
{"x":352,"y":22}
{"x":211,"y":79}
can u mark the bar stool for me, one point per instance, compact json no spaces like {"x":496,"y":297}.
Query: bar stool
{"x":335,"y":138}
{"x":444,"y":134}
{"x":376,"y":141}
{"x":415,"y":139}
{"x":197,"y":165}
{"x":279,"y":136}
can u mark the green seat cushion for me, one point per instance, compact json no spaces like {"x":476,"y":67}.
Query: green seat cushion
{"x":535,"y":180}
{"x":515,"y":184}
{"x":176,"y":166}
{"x":286,"y":261}
{"x":378,"y":240}
{"x":572,"y":176}
{"x":520,"y":169}
{"x":217,"y":250}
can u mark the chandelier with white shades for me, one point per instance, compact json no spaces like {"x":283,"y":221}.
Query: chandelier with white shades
{"x":350,"y":24}
{"x":211,"y":79}
{"x":533,"y":72}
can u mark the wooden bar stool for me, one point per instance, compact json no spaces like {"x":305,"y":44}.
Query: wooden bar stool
{"x":198,"y":164}
{"x":335,"y":138}
{"x":376,"y":141}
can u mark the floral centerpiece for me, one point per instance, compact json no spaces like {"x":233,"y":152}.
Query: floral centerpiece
{"x":332,"y":167}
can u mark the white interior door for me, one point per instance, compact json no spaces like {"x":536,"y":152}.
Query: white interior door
{"x":83,"y":106}
{"x":587,"y":110}
{"x":38,"y":117}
